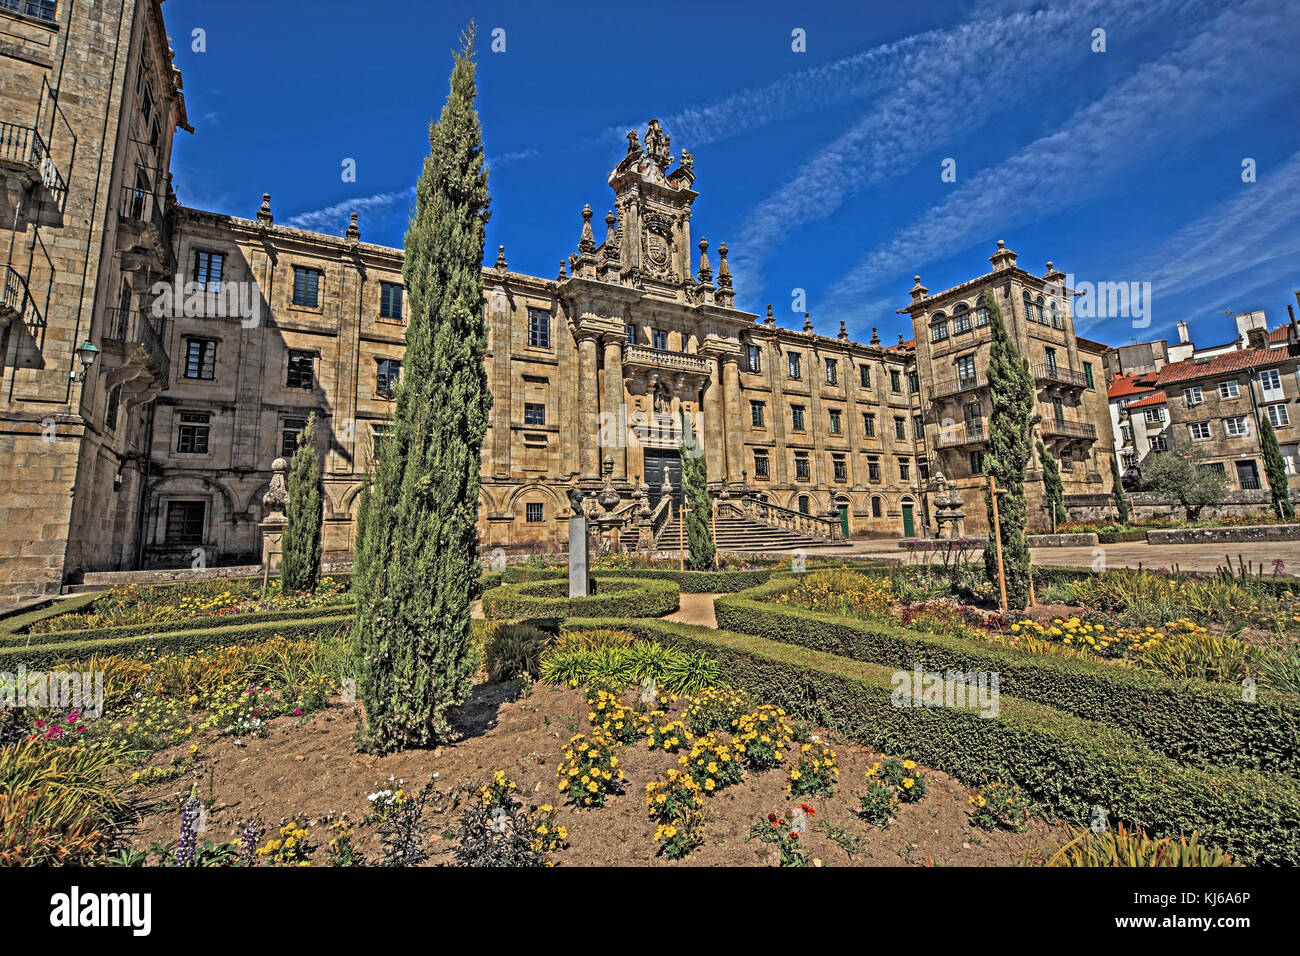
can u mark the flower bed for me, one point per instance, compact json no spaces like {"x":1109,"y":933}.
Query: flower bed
{"x":688,"y":582}
{"x":615,"y":598}
{"x":1187,"y":720}
{"x":1066,"y":764}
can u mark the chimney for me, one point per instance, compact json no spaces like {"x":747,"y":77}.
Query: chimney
{"x":1182,"y":332}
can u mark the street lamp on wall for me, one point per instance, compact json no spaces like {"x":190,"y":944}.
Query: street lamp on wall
{"x":86,"y":354}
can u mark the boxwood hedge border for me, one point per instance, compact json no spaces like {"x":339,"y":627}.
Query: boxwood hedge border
{"x":1190,"y":721}
{"x":1066,"y":764}
{"x":636,"y":597}
{"x":688,"y":582}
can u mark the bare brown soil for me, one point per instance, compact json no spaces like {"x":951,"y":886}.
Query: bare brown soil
{"x":312,"y":767}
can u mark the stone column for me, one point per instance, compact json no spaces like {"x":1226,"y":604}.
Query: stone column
{"x":732,"y":413}
{"x":714,"y":458}
{"x":588,"y":405}
{"x":614,"y":407}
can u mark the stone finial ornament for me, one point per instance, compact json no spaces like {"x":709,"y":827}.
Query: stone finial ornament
{"x":705,"y":274}
{"x":564,"y":270}
{"x":724,"y":270}
{"x":875,"y":336}
{"x":769,"y":320}
{"x":587,"y":243}
{"x":264,"y":211}
{"x":501,"y":259}
{"x":354,"y":230}
{"x":844,"y":332}
{"x":277,"y":496}
{"x":633,"y":145}
{"x":807,"y":322}
{"x":688,"y":160}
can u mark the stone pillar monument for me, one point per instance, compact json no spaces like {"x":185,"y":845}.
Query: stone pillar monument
{"x":579,"y":575}
{"x":273,"y":525}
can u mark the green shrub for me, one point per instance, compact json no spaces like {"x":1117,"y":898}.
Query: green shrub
{"x":615,"y":597}
{"x":515,"y":650}
{"x":1064,"y":764}
{"x":688,"y":582}
{"x":673,"y":671}
{"x":1190,"y":721}
{"x":590,"y":640}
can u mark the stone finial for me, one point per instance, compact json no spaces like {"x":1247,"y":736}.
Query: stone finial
{"x":807,"y":322}
{"x":277,"y":496}
{"x":724,"y":270}
{"x":633,"y":145}
{"x":1003,"y":259}
{"x":900,"y":338}
{"x":769,"y":320}
{"x":501,"y":259}
{"x":587,"y":243}
{"x":918,"y":290}
{"x":354,"y":230}
{"x":875,"y":336}
{"x":264,"y":211}
{"x":705,"y":274}
{"x":610,"y":221}
{"x":564,"y":271}
{"x":844,"y":332}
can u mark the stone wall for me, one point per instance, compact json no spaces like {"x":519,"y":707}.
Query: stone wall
{"x":1240,"y":534}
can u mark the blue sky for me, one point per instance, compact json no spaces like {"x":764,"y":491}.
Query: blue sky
{"x":821,"y":170}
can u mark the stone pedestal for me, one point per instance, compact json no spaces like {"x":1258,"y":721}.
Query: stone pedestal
{"x":272,"y":542}
{"x":579,"y":575}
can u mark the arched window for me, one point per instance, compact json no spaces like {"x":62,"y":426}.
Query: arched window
{"x":938,"y":327}
{"x":1041,"y":316}
{"x":1029,"y":307}
{"x":1056,"y":314}
{"x":960,"y":319}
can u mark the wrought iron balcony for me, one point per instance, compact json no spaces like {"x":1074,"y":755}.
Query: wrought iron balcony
{"x":131,"y":336}
{"x":1068,"y":429}
{"x":16,"y":302}
{"x":963,"y":383}
{"x":149,"y":226}
{"x":1059,"y":375}
{"x":24,"y":147}
{"x":967,"y":433}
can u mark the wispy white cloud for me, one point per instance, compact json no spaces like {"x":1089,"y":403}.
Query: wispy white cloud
{"x":334,"y":219}
{"x":943,"y":89}
{"x":1160,"y":106}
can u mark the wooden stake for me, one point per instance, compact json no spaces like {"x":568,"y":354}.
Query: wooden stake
{"x":994,"y":491}
{"x":681,"y":530}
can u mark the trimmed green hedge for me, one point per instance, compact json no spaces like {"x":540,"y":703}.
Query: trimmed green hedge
{"x":688,"y":582}
{"x":14,"y":623}
{"x":176,"y":642}
{"x":188,"y":624}
{"x":614,"y":597}
{"x":1065,"y":764}
{"x":1190,"y":721}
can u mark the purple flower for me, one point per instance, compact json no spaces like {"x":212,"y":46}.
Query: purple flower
{"x":186,"y":846}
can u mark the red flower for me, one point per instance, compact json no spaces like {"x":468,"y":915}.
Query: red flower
{"x":794,"y":835}
{"x":808,"y":810}
{"x":771,"y":817}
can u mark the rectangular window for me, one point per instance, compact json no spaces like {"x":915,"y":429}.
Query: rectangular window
{"x":918,"y":427}
{"x":185,"y":522}
{"x":801,"y":465}
{"x":873,"y":469}
{"x":378,"y":436}
{"x":796,"y":417}
{"x":904,"y":469}
{"x":1159,"y":443}
{"x":200,"y":358}
{"x":192,"y":436}
{"x":864,"y":376}
{"x":390,"y":301}
{"x":289,"y":432}
{"x":756,"y":414}
{"x":895,"y":380}
{"x":1126,"y":432}
{"x":631,"y":335}
{"x":913,"y":382}
{"x":1193,"y":395}
{"x":306,"y":287}
{"x":1229,"y":390}
{"x":939,"y":331}
{"x":533,"y":512}
{"x":961,"y":321}
{"x":207,"y":269}
{"x":539,"y":329}
{"x":1270,"y":383}
{"x":977,"y":462}
{"x":1153,"y":416}
{"x":869,"y":424}
{"x":835,"y":421}
{"x":534,"y":413}
{"x":900,"y":429}
{"x":981,"y":315}
{"x":761,"y":466}
{"x":832,"y":371}
{"x":1236,"y":427}
{"x":1198,"y":431}
{"x":110,"y":413}
{"x":1087,"y":369}
{"x":753,"y":360}
{"x":1050,"y":355}
{"x":387,"y":375}
{"x":659,"y":339}
{"x":794,"y":364}
{"x":966,"y":375}
{"x":839,"y":468}
{"x":1277,"y":414}
{"x":302,"y":369}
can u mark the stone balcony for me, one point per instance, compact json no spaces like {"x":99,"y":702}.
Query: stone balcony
{"x":134,"y":355}
{"x":1063,"y":428}
{"x":652,"y":365}
{"x":1059,"y":375}
{"x":25,"y":158}
{"x":957,"y":436}
{"x":16,"y":302}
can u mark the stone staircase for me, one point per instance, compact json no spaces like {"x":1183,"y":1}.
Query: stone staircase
{"x":734,"y":533}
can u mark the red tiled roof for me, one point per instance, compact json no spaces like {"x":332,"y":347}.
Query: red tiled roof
{"x":1224,"y":364}
{"x":1156,"y":398}
{"x":1279,"y":334}
{"x":1128,"y":383}
{"x":904,"y":346}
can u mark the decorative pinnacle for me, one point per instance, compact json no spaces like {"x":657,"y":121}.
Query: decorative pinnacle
{"x":587,"y":243}
{"x":770,"y":319}
{"x":875,"y":336}
{"x":564,"y":270}
{"x":706,"y":272}
{"x":264,"y":213}
{"x":724,"y":270}
{"x":354,"y":231}
{"x":807,"y":322}
{"x":501,"y":259}
{"x":844,"y":332}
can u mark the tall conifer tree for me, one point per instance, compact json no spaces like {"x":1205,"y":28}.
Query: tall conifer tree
{"x":417,"y":554}
{"x":1053,"y":490}
{"x":1011,"y":392}
{"x":702,"y":555}
{"x":1275,"y":469}
{"x":304,"y":512}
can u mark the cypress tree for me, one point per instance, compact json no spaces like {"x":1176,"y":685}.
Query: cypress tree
{"x":417,"y":558}
{"x":699,"y":521}
{"x":1053,"y":490}
{"x":1011,"y":392}
{"x":1275,"y":470}
{"x":1121,"y":498}
{"x":305,"y":510}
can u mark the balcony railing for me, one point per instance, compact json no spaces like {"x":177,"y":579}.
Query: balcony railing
{"x":1059,"y":375}
{"x":968,"y":433}
{"x":149,"y":210}
{"x":16,"y":300}
{"x":1060,"y":426}
{"x":964,"y":383}
{"x":662,"y":358}
{"x":134,"y":327}
{"x":23,"y":144}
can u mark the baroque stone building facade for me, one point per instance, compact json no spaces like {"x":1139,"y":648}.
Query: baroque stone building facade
{"x":157,"y":359}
